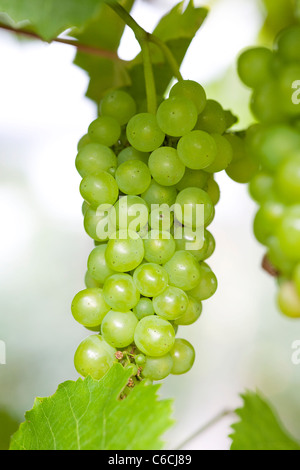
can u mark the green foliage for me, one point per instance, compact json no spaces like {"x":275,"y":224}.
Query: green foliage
{"x":50,"y":18}
{"x":104,"y":31}
{"x":88,"y":415}
{"x":8,"y":425}
{"x":177,"y":29}
{"x":259,"y":427}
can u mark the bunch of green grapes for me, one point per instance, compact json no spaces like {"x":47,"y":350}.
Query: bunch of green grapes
{"x":274,"y":144}
{"x":143,"y":280}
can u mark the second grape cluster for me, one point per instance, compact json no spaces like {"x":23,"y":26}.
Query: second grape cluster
{"x":143,"y":283}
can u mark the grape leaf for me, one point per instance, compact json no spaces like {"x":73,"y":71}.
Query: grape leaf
{"x":49,"y":18}
{"x":177,"y":29}
{"x":259,"y":427}
{"x":105,"y":30}
{"x":88,"y":415}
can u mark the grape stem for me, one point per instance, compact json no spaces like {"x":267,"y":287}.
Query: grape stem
{"x":204,"y":428}
{"x":144,"y":38}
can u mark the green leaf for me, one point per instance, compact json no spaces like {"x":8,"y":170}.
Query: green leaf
{"x":88,"y":415}
{"x":105,"y":31}
{"x":177,"y":29}
{"x":8,"y":425}
{"x":49,"y":18}
{"x":259,"y":427}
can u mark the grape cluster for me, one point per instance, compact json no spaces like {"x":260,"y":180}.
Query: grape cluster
{"x":143,"y":283}
{"x":274,"y":144}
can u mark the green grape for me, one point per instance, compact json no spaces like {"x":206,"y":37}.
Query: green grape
{"x":212,"y":119}
{"x":171,"y":304}
{"x":140,"y":359}
{"x":200,"y":247}
{"x":154,"y":336}
{"x":287,"y":179}
{"x":119,"y":105}
{"x":157,"y":368}
{"x":161,"y":218}
{"x":191,"y":314}
{"x":277,"y":257}
{"x":289,"y":300}
{"x":132,"y":368}
{"x":192,"y":91}
{"x":193,"y":179}
{"x":296,"y":278}
{"x":99,"y":189}
{"x":85,"y":139}
{"x":144,"y":308}
{"x":133,"y":177}
{"x":120,"y":292}
{"x":265,"y":104}
{"x":243,"y":167}
{"x":197,"y":150}
{"x":157,"y":194}
{"x":159,"y":247}
{"x":213,"y":190}
{"x":131,"y":213}
{"x":105,"y":130}
{"x":143,"y":132}
{"x":96,"y":219}
{"x":165,"y":166}
{"x":97,"y":265}
{"x":118,"y":328}
{"x":288,"y":233}
{"x":224,"y":154}
{"x":125,"y":252}
{"x":288,"y":44}
{"x":94,"y":357}
{"x":84,"y":208}
{"x":150,"y":279}
{"x":90,"y":282}
{"x":254,"y":66}
{"x":177,"y":116}
{"x":207,"y":285}
{"x":261,"y":186}
{"x":130,"y":153}
{"x":183,"y":355}
{"x":93,"y":158}
{"x":89,"y":307}
{"x":183,"y":270}
{"x":188,"y":202}
{"x":289,"y":75}
{"x":275,"y":144}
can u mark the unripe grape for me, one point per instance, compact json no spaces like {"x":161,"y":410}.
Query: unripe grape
{"x":118,"y":328}
{"x":89,"y":307}
{"x":154,"y":336}
{"x":207,"y":286}
{"x":212,"y":119}
{"x":150,"y":279}
{"x":289,"y":300}
{"x":157,"y":368}
{"x":143,"y":132}
{"x":93,"y":158}
{"x":125,"y":252}
{"x":165,"y":166}
{"x":183,"y":355}
{"x":99,"y":189}
{"x":171,"y":304}
{"x":94,"y":357}
{"x":197,"y":150}
{"x":183,"y":270}
{"x":177,"y":116}
{"x":120,"y":292}
{"x":119,"y":105}
{"x":133,"y":177}
{"x":192,"y":91}
{"x":105,"y":130}
{"x":144,"y":308}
